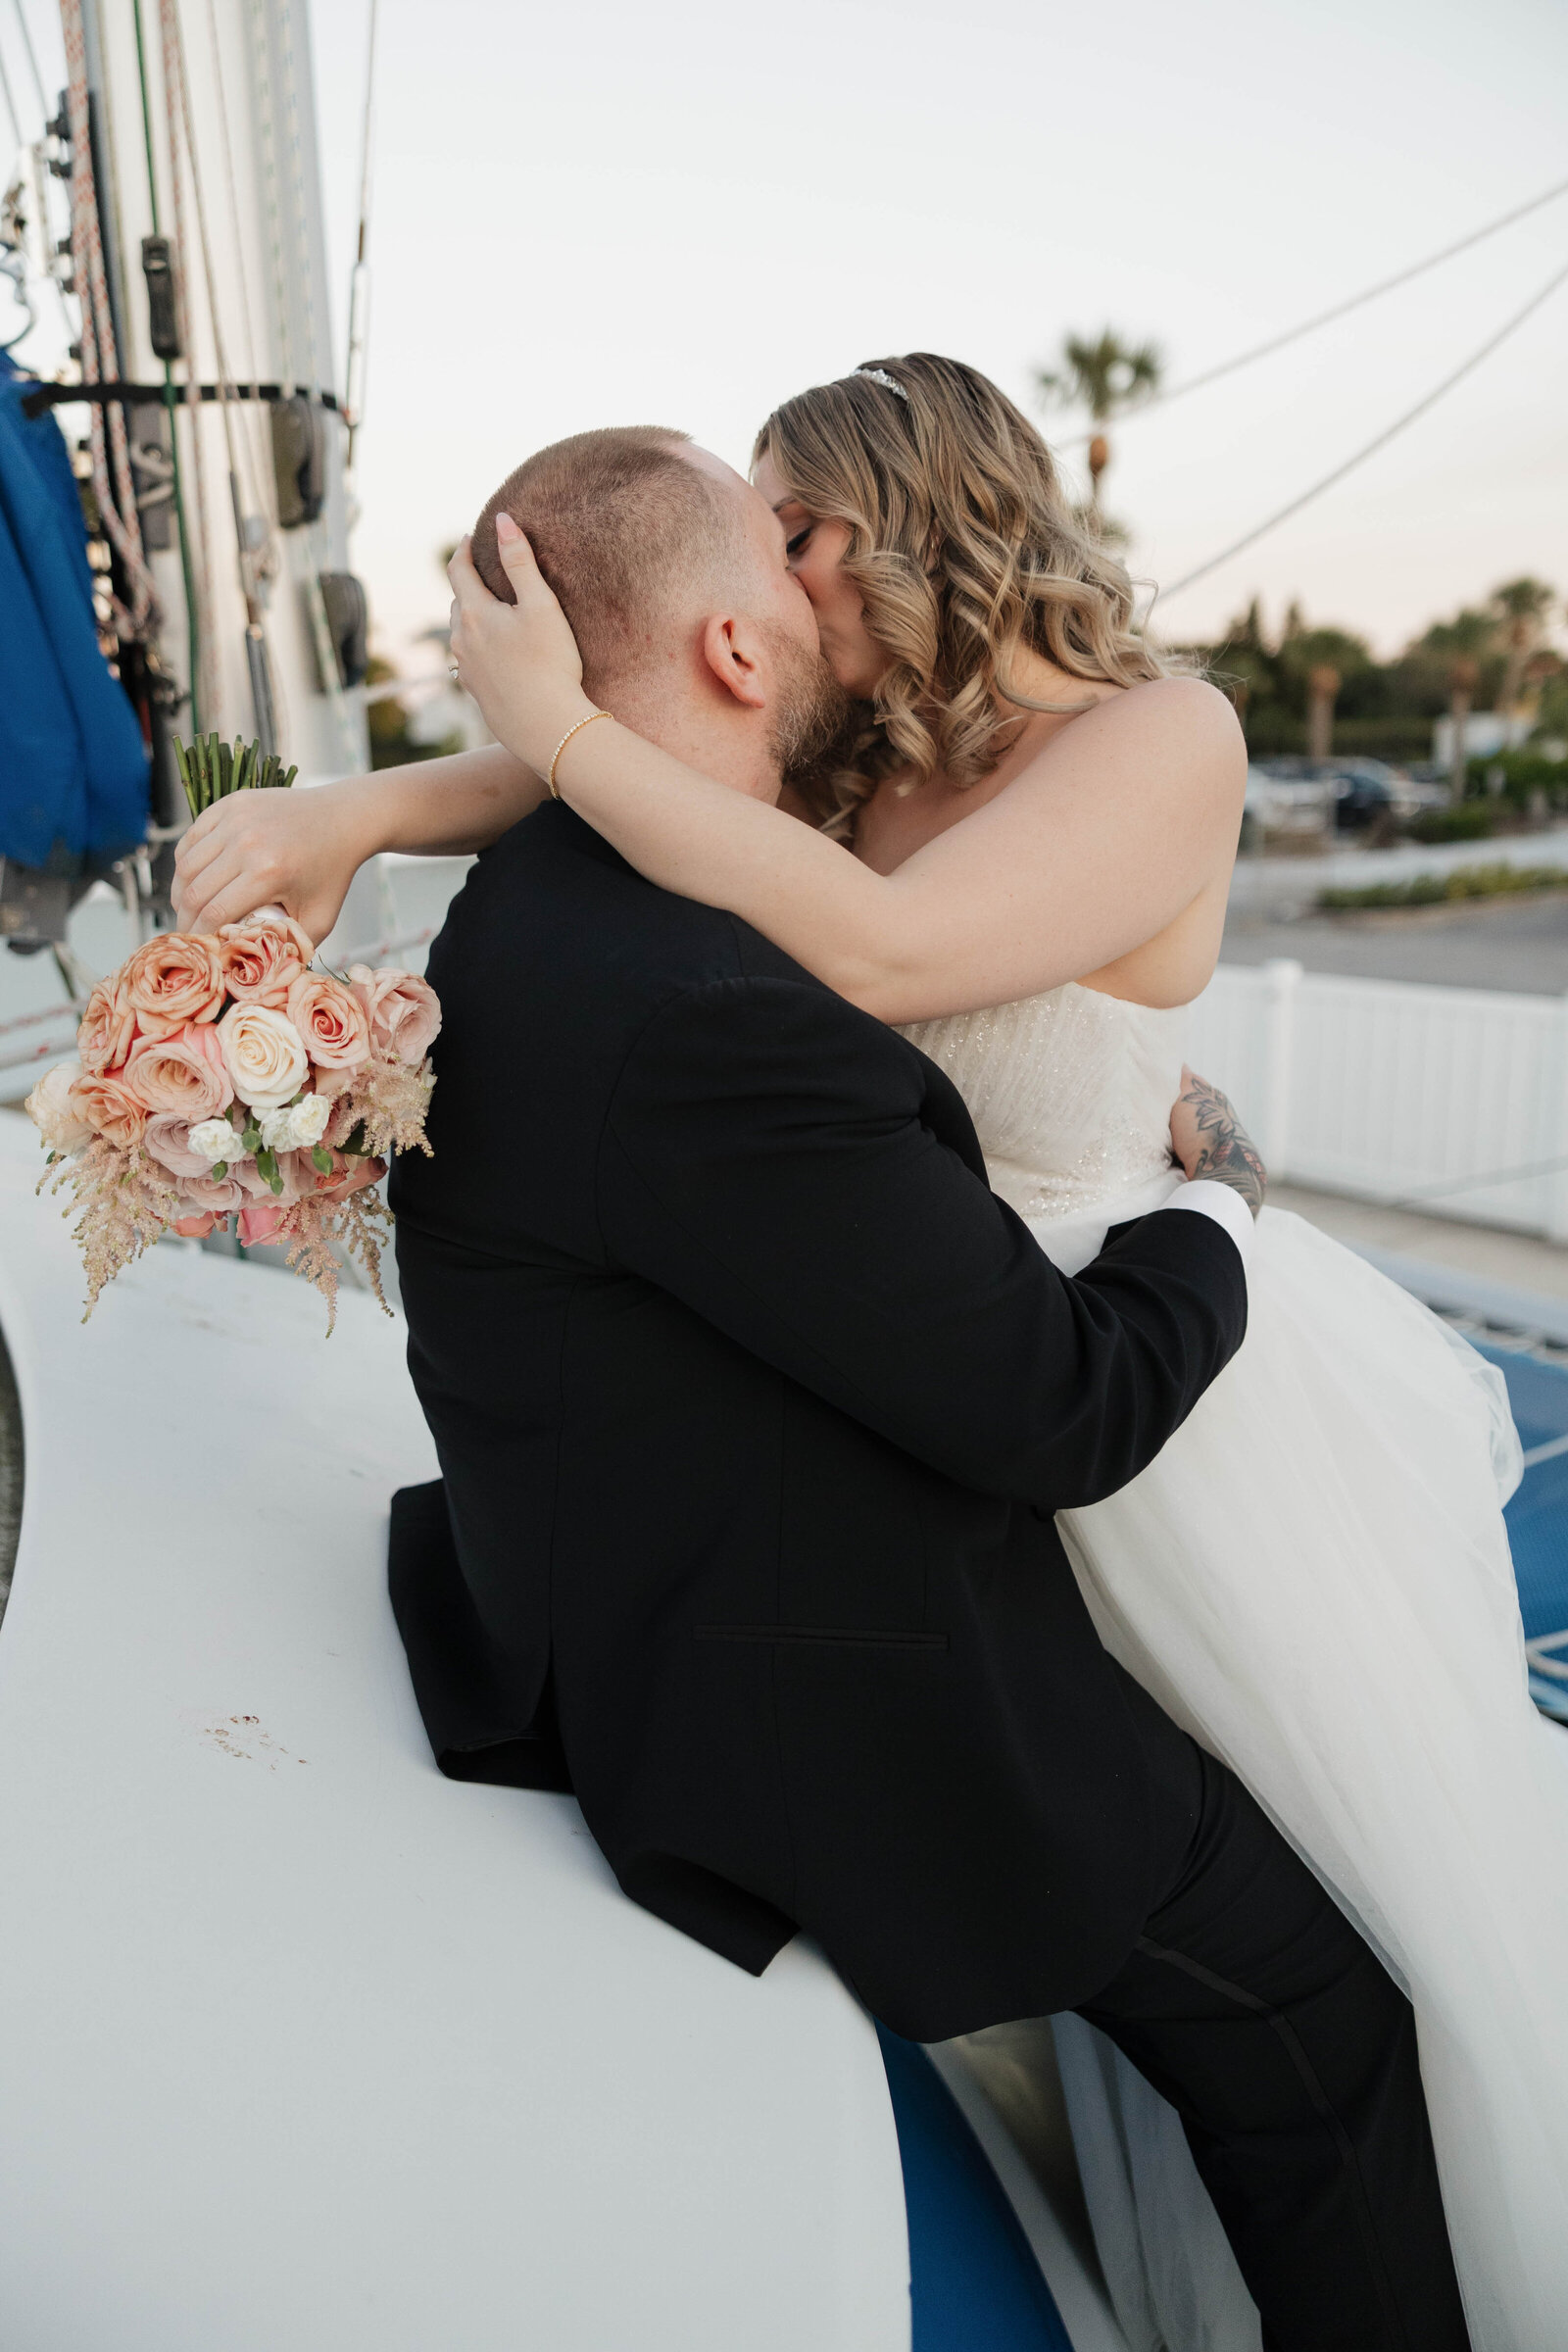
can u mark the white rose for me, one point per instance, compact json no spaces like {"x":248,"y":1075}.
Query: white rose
{"x":213,"y":1139}
{"x":264,"y":1054}
{"x":52,"y":1112}
{"x":307,"y":1121}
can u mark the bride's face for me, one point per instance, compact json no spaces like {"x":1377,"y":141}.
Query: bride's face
{"x":815,"y":550}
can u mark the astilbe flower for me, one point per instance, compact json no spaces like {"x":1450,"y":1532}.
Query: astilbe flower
{"x":123,"y":1199}
{"x":389,"y":1102}
{"x":360,"y":1223}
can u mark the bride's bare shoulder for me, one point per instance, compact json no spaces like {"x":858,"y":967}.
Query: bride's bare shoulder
{"x":1182,"y":709}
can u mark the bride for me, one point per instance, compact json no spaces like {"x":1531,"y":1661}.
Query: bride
{"x":1024,"y":863}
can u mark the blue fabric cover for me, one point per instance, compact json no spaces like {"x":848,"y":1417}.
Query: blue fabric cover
{"x":974,"y":2283}
{"x":73,"y":766}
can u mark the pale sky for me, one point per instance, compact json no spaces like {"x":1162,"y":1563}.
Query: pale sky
{"x":675,"y":214}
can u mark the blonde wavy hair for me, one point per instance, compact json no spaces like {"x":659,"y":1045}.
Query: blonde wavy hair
{"x":964,"y":548}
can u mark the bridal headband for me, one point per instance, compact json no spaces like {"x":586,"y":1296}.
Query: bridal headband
{"x":880,"y":375}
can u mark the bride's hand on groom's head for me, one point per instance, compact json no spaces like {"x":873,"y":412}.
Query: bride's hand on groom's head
{"x":518,"y":660}
{"x":1209,"y":1140}
{"x":297,"y":849}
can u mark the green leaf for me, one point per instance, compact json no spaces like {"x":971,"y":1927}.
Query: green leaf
{"x":322,"y":1159}
{"x":251,"y":1140}
{"x":356,"y":1142}
{"x":220,"y":1170}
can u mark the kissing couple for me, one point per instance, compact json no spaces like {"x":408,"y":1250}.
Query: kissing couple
{"x":902,"y":1505}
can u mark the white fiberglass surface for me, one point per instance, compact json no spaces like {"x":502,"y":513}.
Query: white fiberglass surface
{"x":303,"y":2045}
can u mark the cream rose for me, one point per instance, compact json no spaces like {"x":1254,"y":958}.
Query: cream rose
{"x":331,"y":1020}
{"x":403,"y":1012}
{"x":214,"y":1140}
{"x":108,"y":1028}
{"x":264,"y":1054}
{"x":260,"y":962}
{"x":111,"y":1108}
{"x":53,"y":1108}
{"x":175,"y":979}
{"x":186,"y":1073}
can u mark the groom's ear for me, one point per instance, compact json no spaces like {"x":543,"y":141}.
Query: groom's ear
{"x":735,"y":651}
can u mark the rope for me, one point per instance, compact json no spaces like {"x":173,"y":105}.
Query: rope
{"x":193,"y":638}
{"x":206,"y":679}
{"x":1380,"y":441}
{"x":116,"y":505}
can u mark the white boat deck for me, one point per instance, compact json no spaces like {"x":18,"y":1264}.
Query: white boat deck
{"x":305,"y":2048}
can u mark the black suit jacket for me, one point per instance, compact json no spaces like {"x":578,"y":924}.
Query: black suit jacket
{"x":753,"y":1406}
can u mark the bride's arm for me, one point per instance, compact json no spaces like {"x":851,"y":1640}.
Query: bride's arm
{"x":1094,"y":850}
{"x":301,"y":850}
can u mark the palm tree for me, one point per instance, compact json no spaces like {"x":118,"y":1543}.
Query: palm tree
{"x":1323,"y":683}
{"x":1463,"y":643}
{"x":1521,"y":606}
{"x":1105,"y":377}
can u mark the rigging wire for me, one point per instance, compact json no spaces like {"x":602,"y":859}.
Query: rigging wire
{"x":10,"y":104}
{"x":1340,"y":310}
{"x":1380,"y":440}
{"x":359,"y":276}
{"x":33,"y":59}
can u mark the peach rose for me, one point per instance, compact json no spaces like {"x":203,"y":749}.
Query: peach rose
{"x":261,"y":962}
{"x":53,"y":1108}
{"x":248,"y":1176}
{"x":108,"y":1027}
{"x":331,"y":1021}
{"x":219,"y":1194}
{"x":111,"y":1108}
{"x":264,"y":1056}
{"x":186,"y":1073}
{"x":167,"y":1140}
{"x":302,"y":1177}
{"x":196,"y":1228}
{"x":403,"y":1012}
{"x":175,"y":979}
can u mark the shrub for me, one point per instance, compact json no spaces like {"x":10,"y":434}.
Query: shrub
{"x":1466,"y":820}
{"x":1435,"y":890}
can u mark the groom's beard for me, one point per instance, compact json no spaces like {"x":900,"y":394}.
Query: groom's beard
{"x":815,"y":721}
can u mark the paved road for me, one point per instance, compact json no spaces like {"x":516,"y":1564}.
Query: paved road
{"x":1514,"y":944}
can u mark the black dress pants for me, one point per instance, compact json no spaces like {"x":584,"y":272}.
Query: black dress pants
{"x":1253,"y":2005}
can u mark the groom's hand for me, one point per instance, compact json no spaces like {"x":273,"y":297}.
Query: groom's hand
{"x":1209,"y":1139}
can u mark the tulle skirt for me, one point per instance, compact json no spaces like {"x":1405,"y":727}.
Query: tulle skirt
{"x":1314,"y":1579}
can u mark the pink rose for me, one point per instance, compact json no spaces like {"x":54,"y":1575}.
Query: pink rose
{"x":403,"y":1012}
{"x":110,"y":1110}
{"x":262,"y":963}
{"x":167,"y":1140}
{"x":248,"y":1176}
{"x":108,"y":1027}
{"x":175,"y":979}
{"x":186,"y":1073}
{"x":259,"y":1221}
{"x":196,"y":1228}
{"x":331,"y":1020}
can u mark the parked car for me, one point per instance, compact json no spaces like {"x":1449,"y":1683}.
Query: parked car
{"x":1363,"y":791}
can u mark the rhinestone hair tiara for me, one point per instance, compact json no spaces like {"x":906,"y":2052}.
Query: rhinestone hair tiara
{"x":880,"y":375}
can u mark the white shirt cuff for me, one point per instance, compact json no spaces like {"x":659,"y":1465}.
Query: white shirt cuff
{"x":1209,"y":1198}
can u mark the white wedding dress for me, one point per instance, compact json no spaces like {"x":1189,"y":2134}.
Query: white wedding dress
{"x":1314,"y":1579}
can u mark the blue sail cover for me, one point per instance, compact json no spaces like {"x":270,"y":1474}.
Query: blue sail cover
{"x":72,"y":765}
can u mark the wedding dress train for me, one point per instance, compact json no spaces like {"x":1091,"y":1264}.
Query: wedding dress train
{"x":1314,"y":1579}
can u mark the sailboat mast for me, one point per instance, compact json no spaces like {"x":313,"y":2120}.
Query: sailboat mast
{"x":205,"y":139}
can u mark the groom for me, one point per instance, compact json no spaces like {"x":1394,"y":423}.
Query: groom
{"x":755,"y":1407}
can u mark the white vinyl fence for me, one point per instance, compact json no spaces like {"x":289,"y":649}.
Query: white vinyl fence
{"x":1453,"y":1101}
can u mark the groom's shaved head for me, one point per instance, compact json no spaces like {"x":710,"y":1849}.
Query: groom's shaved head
{"x":627,"y":533}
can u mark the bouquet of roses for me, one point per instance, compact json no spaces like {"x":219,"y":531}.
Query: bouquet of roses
{"x":224,"y":1077}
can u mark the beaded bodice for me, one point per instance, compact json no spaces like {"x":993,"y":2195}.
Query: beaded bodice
{"x":1070,"y":1093}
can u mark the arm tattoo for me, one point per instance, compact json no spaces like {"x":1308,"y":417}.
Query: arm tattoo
{"x":1226,"y":1153}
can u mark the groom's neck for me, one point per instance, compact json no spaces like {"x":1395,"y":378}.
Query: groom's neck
{"x":730,"y":745}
